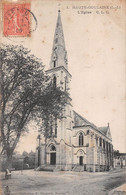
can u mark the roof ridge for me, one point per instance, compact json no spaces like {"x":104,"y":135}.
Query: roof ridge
{"x":86,"y":120}
{"x":101,"y":129}
{"x":81,"y":117}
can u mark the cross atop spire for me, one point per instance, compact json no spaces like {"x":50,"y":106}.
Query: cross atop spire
{"x":59,"y":53}
{"x":59,"y":7}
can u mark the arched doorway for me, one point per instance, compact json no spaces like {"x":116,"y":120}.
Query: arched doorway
{"x":80,"y":160}
{"x":52,"y":155}
{"x":80,"y":156}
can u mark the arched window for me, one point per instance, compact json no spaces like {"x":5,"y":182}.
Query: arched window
{"x":66,"y":82}
{"x":81,"y":139}
{"x":54,"y":81}
{"x":103,"y":143}
{"x":54,"y":63}
{"x":54,"y":57}
{"x":107,"y":146}
{"x":100,"y":141}
{"x":55,"y":126}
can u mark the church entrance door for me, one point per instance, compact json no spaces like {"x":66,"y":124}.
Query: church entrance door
{"x":81,"y":160}
{"x":53,"y":158}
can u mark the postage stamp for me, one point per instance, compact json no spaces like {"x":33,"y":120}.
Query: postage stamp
{"x":16,"y":19}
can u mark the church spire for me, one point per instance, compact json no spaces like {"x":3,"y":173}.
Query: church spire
{"x":59,"y":53}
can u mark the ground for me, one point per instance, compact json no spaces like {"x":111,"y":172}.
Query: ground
{"x":32,"y":182}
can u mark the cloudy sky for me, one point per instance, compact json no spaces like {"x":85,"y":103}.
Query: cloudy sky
{"x":96,"y":52}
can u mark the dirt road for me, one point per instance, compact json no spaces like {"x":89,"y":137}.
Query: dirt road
{"x":31,"y":182}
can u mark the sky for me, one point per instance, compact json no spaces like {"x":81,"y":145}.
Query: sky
{"x":95,"y":44}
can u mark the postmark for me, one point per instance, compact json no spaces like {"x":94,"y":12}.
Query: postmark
{"x":16,"y":19}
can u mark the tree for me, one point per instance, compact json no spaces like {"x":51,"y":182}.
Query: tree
{"x":25,"y":153}
{"x":116,"y":153}
{"x":25,"y":91}
{"x":53,"y":107}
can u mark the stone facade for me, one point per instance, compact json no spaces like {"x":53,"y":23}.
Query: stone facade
{"x":75,"y":144}
{"x":96,"y":151}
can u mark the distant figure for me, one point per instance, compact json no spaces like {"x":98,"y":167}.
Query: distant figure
{"x":7,"y":174}
{"x":7,"y":190}
{"x":27,"y":166}
{"x":121,"y":164}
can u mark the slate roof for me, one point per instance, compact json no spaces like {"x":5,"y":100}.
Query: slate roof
{"x":103,"y":129}
{"x":80,"y":121}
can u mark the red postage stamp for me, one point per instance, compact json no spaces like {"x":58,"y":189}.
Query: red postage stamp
{"x":16,"y":19}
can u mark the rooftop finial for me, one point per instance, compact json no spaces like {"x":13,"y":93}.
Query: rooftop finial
{"x":59,"y":7}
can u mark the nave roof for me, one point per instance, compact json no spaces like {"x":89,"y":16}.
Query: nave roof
{"x":80,"y":121}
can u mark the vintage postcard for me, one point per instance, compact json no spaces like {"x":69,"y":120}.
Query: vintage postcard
{"x":62,"y":97}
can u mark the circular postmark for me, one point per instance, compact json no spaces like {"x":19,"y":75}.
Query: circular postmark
{"x":17,"y":20}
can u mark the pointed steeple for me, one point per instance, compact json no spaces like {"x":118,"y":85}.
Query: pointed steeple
{"x":59,"y":53}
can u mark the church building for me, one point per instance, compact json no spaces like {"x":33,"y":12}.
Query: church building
{"x":76,"y":144}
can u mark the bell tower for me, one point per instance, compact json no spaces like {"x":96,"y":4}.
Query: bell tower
{"x":59,"y":60}
{"x":58,"y":71}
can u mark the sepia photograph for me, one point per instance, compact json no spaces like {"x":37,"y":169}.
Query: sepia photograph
{"x":63,"y":97}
